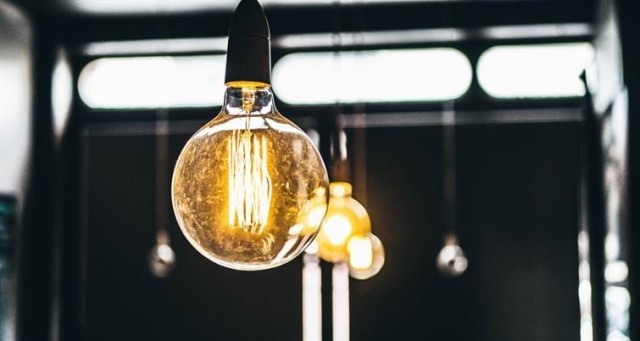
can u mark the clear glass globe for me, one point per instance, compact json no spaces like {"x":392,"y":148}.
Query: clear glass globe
{"x":250,"y":189}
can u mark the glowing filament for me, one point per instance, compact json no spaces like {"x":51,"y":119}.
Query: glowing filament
{"x":249,"y":182}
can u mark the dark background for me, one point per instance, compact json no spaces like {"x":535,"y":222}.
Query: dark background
{"x":90,"y":219}
{"x":518,"y":225}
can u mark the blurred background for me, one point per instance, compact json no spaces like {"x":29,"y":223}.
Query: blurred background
{"x":98,"y":97}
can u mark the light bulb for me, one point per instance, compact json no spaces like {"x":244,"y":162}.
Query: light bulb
{"x":162,"y":260}
{"x":366,"y":256}
{"x":243,"y":182}
{"x":451,"y":260}
{"x":345,"y":218}
{"x":249,"y":188}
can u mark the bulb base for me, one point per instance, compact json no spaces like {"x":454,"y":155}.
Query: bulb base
{"x":249,"y":46}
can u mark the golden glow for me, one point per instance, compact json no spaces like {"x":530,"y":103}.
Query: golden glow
{"x":249,"y":182}
{"x":360,"y":252}
{"x":345,"y":217}
{"x":315,"y":216}
{"x":337,"y":229}
{"x":245,"y":183}
{"x":251,"y":85}
{"x":366,"y":256}
{"x":340,"y":189}
{"x":346,"y":235}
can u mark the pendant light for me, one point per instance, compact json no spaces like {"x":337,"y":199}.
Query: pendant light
{"x":346,"y":235}
{"x":345,"y":218}
{"x":366,"y":253}
{"x":451,"y":260}
{"x":162,"y":258}
{"x":249,"y":188}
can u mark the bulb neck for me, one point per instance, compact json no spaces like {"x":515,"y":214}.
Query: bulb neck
{"x":249,"y":99}
{"x":340,"y":189}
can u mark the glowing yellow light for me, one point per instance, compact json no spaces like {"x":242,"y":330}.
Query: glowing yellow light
{"x":316,"y":215}
{"x":345,"y":217}
{"x":249,"y":188}
{"x":366,"y":256}
{"x":249,"y":182}
{"x":337,"y":229}
{"x":246,"y":181}
{"x":360,"y":252}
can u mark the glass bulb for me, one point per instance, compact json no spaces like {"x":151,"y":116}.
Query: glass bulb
{"x":366,"y":256}
{"x":345,"y":217}
{"x":249,"y":188}
{"x":162,"y":260}
{"x":451,"y":260}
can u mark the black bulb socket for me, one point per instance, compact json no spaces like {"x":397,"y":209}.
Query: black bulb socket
{"x":249,"y":46}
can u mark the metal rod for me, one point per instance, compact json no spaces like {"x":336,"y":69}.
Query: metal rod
{"x":340,"y":302}
{"x":311,"y":298}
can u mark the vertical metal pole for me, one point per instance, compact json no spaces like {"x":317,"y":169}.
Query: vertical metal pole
{"x":340,"y":302}
{"x":311,"y":298}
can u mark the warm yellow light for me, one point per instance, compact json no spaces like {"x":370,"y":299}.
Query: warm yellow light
{"x":366,"y":256}
{"x":360,"y":252}
{"x":315,"y":216}
{"x":249,"y":188}
{"x":345,"y":218}
{"x":337,"y":228}
{"x":249,"y":181}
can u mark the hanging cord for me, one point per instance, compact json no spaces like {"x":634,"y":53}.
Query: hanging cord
{"x":359,"y":110}
{"x":162,"y":256}
{"x":162,"y":183}
{"x":449,"y":167}
{"x":162,"y":149}
{"x":340,"y":168}
{"x":451,"y":260}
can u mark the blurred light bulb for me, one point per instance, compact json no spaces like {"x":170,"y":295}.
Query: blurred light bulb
{"x":345,"y":217}
{"x":451,"y":260}
{"x":162,"y":260}
{"x":366,"y":256}
{"x":337,"y":229}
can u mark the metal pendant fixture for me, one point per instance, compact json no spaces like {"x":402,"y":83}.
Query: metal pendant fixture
{"x":451,"y":260}
{"x":162,"y":258}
